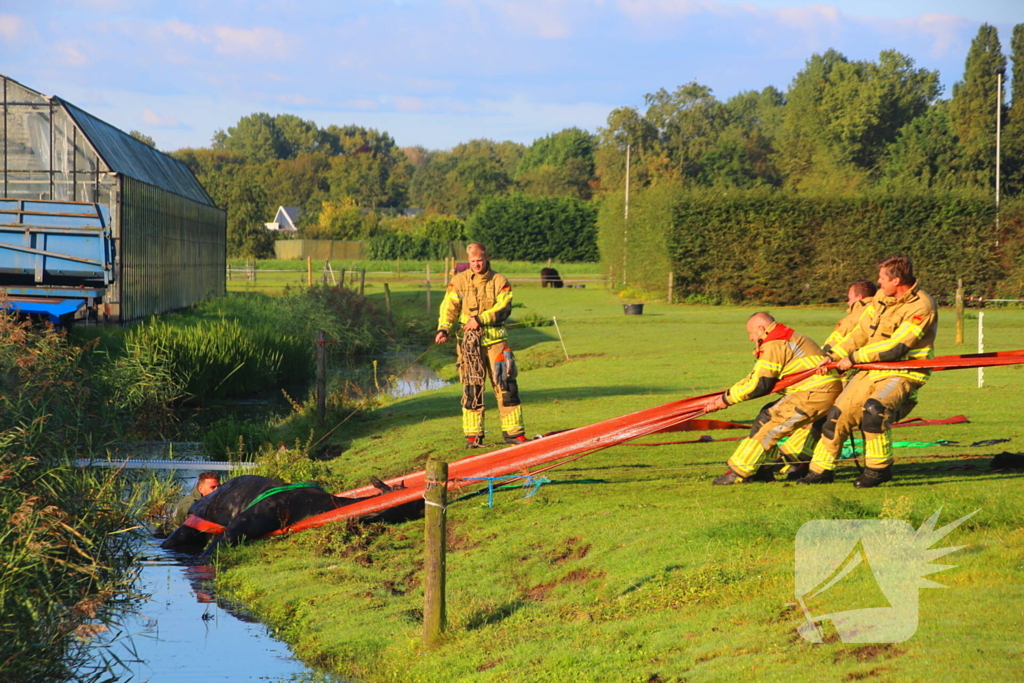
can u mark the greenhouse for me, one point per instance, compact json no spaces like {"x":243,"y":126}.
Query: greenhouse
{"x":154,"y":240}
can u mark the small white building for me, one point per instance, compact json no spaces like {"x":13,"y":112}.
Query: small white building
{"x":286,"y":220}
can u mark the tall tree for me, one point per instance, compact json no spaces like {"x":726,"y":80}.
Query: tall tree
{"x":1013,"y":135}
{"x":972,"y":111}
{"x":143,"y":138}
{"x":688,"y":121}
{"x":626,"y":127}
{"x":256,"y":137}
{"x":841,"y":115}
{"x":368,"y":167}
{"x":558,"y":164}
{"x":926,"y":153}
{"x":456,"y":181}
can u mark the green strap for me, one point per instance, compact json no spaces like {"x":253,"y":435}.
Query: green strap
{"x":281,"y":489}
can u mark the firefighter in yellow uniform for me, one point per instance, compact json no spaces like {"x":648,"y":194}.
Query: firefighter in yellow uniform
{"x":780,"y":352}
{"x":900,"y":324}
{"x":481,"y":300}
{"x":858,"y":298}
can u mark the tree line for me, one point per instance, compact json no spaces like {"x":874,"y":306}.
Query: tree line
{"x":842,"y":127}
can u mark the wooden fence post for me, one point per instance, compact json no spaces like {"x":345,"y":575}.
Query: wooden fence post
{"x":309,"y":271}
{"x":321,"y":374}
{"x":960,"y":311}
{"x":435,"y":496}
{"x":362,"y":281}
{"x":387,"y":298}
{"x":428,"y":289}
{"x":671,"y":286}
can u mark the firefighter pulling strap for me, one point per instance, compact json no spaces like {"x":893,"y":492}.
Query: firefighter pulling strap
{"x":582,"y":441}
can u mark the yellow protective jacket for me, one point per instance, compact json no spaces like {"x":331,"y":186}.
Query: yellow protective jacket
{"x":892,"y":329}
{"x":486,"y":296}
{"x":782,"y":352}
{"x":846,"y":325}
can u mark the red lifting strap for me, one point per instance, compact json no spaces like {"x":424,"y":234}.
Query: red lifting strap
{"x":200,"y":524}
{"x":576,"y":443}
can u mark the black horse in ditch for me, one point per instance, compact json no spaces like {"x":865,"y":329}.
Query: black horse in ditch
{"x":250,"y":507}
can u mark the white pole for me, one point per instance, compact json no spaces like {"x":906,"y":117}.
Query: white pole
{"x":625,"y":222}
{"x":560,"y":337}
{"x":981,"y":346}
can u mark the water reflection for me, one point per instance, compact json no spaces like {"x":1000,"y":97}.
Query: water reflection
{"x":184,"y":633}
{"x":397,"y":376}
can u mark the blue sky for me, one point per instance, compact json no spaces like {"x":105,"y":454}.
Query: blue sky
{"x":438,"y":72}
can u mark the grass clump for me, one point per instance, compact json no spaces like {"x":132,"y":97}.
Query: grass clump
{"x":66,"y":538}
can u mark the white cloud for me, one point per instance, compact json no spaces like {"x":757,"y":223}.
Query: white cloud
{"x":297,"y":100}
{"x":71,"y":54}
{"x":403,"y":103}
{"x":151,"y":118}
{"x":268,"y":43}
{"x":946,"y":30}
{"x":12,"y":27}
{"x":541,"y":19}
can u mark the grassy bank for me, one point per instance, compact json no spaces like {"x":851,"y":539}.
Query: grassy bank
{"x":629,"y":565}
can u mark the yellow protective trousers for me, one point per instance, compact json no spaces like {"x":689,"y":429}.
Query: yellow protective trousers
{"x":501,"y":371}
{"x":794,"y":416}
{"x":872,"y":402}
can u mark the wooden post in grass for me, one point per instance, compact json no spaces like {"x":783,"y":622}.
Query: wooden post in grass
{"x":428,"y":289}
{"x":321,"y":374}
{"x":309,"y":271}
{"x":362,"y":281}
{"x":387,"y":298}
{"x":435,"y":495}
{"x":960,"y":311}
{"x":341,"y":276}
{"x":671,"y":285}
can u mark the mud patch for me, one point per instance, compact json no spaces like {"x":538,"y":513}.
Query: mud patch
{"x":571,"y":548}
{"x":869,"y":653}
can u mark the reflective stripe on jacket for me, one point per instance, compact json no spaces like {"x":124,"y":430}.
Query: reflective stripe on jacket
{"x":894,"y":329}
{"x":485,"y":296}
{"x":777,"y":358}
{"x":845,"y":326}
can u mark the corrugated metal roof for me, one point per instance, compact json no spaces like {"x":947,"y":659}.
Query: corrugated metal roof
{"x":126,"y":155}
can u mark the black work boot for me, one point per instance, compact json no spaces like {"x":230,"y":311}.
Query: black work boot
{"x":871,"y":477}
{"x":763,"y":475}
{"x":520,"y":438}
{"x":812,"y":477}
{"x":475,"y":441}
{"x":798,"y":472}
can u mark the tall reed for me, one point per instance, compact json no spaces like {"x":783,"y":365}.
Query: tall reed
{"x":65,"y":539}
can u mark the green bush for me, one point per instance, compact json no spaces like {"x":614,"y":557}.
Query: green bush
{"x":388,"y":246}
{"x":522,"y":228}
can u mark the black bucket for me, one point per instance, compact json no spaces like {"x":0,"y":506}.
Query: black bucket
{"x":633,"y":309}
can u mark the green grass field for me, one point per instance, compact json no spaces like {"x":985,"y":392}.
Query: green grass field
{"x":274,"y":275}
{"x":629,"y":565}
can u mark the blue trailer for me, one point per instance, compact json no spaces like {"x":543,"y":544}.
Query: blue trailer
{"x":56,"y":258}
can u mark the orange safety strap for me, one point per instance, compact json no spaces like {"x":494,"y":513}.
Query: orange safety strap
{"x":200,"y":524}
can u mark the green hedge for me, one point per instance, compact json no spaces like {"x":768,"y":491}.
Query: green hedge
{"x":389,"y":246}
{"x":518,"y":227}
{"x":781,"y":248}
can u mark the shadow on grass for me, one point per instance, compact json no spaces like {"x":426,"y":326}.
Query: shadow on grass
{"x":486,"y":617}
